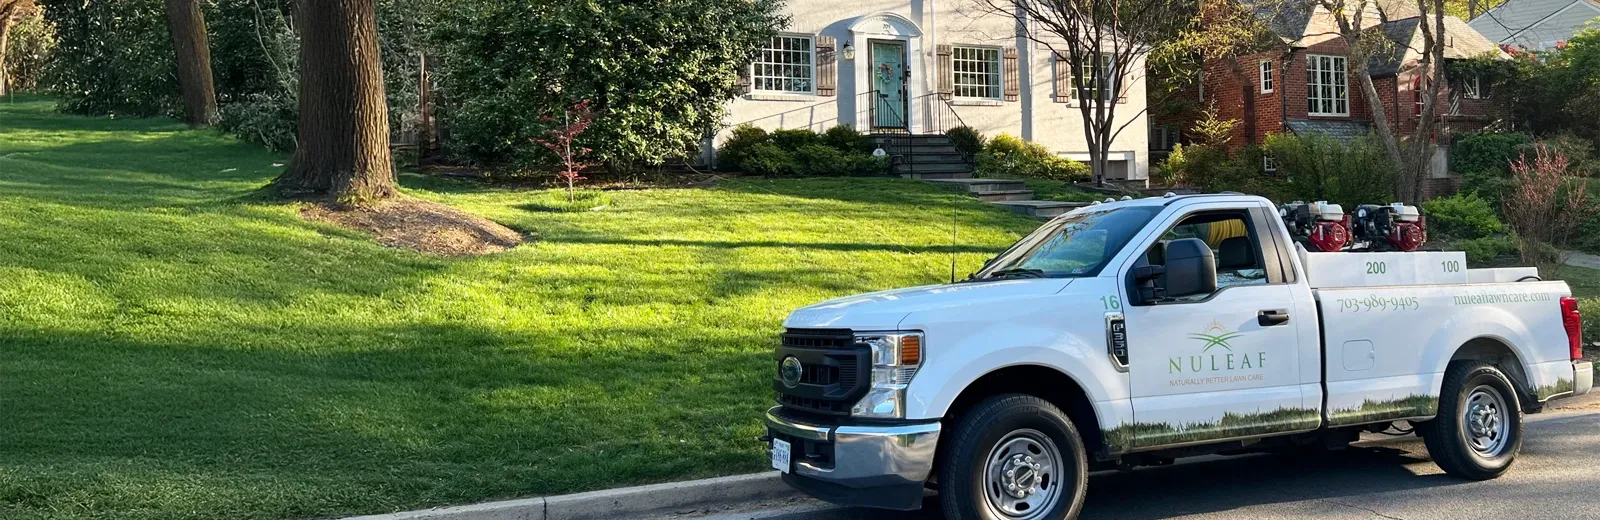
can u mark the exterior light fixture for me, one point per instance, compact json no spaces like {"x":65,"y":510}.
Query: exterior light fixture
{"x":849,"y":51}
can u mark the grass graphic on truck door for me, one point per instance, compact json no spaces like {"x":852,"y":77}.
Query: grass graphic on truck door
{"x":1146,"y":434}
{"x":1370,"y":411}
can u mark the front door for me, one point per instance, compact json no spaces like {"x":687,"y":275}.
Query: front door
{"x":1222,"y":365}
{"x":889,"y":84}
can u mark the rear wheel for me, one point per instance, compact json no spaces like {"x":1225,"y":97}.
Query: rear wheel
{"x":1014,"y":457}
{"x":1479,"y":427}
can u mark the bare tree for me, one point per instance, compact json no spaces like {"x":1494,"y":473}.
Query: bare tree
{"x":343,"y":149}
{"x":188,"y":26}
{"x":1105,"y":44}
{"x":1359,"y":23}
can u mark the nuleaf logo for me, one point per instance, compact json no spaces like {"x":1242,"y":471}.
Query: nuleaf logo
{"x":1215,"y":335}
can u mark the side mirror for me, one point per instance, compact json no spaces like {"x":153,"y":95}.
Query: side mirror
{"x":1191,"y":268}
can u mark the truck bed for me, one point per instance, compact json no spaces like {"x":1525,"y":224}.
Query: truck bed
{"x":1385,"y":348}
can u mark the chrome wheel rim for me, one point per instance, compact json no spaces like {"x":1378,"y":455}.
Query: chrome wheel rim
{"x":1484,"y":421}
{"x":1021,"y":475}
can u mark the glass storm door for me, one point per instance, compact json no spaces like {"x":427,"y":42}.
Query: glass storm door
{"x":889,"y":82}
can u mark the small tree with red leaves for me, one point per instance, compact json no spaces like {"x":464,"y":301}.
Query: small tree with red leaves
{"x":1544,"y":205}
{"x":559,"y":139}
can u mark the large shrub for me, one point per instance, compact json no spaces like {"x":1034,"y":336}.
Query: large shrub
{"x":1216,"y":170}
{"x":1318,"y":167}
{"x":769,"y":160}
{"x":1010,"y":156}
{"x":966,"y":140}
{"x":846,"y":138}
{"x":733,"y":152}
{"x":1462,"y":216}
{"x":1486,"y":151}
{"x":658,"y":72}
{"x":1486,"y":250}
{"x":112,"y":57}
{"x":840,"y":150}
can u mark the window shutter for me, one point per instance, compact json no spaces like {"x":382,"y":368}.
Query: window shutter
{"x":1010,"y":68}
{"x":1063,"y":81}
{"x":946,"y":79}
{"x":827,"y":65}
{"x":742,"y":85}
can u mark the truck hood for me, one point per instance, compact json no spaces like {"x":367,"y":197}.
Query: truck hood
{"x":883,"y":310}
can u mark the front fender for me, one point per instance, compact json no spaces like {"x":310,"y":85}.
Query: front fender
{"x":1052,"y":331}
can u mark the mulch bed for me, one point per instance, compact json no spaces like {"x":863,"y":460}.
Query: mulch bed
{"x":420,"y":225}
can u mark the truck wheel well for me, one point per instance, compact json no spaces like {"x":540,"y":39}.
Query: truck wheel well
{"x":1043,"y":382}
{"x":1497,"y":353}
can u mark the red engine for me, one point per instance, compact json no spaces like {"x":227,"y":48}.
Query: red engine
{"x":1393,"y":227}
{"x":1330,"y":237}
{"x":1408,"y":236}
{"x":1320,"y":226}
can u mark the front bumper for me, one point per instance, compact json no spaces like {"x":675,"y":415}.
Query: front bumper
{"x":1582,"y":377}
{"x":858,"y":465}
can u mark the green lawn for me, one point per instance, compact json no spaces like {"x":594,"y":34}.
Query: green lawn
{"x":174,"y":348}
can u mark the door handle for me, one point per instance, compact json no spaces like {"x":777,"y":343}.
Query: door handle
{"x":1274,"y":317}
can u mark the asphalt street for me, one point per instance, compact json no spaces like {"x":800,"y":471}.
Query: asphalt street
{"x":1557,"y":475}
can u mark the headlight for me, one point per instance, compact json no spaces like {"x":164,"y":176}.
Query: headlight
{"x":895,"y":358}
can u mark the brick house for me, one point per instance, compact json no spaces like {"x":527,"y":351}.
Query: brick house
{"x":1304,"y":86}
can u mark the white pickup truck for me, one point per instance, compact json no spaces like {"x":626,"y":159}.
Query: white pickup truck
{"x":1135,"y":332}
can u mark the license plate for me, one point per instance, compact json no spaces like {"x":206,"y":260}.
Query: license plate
{"x":780,"y":455}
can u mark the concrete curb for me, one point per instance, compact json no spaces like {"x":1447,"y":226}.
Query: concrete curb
{"x":612,"y":503}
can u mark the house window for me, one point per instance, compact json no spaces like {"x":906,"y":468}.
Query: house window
{"x":1268,"y":164}
{"x":1416,"y":96}
{"x":1163,"y":137}
{"x":1266,"y":76}
{"x":786,"y":64}
{"x":1087,"y":70}
{"x":977,"y":72}
{"x":1472,"y":87}
{"x":1326,"y":92}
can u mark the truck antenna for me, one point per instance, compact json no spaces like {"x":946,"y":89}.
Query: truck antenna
{"x":953,"y":201}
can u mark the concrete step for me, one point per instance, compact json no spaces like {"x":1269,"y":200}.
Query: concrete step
{"x":925,"y":149}
{"x":983,"y":185}
{"x":932,"y":167}
{"x":938,"y":157}
{"x":932,"y":176}
{"x":1043,"y":209}
{"x":1005,"y":195}
{"x":932,"y":139}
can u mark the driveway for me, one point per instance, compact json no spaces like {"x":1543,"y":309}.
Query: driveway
{"x":1381,"y":478}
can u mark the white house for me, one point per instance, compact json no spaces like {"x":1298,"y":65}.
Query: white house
{"x":925,"y":66}
{"x":1536,"y":24}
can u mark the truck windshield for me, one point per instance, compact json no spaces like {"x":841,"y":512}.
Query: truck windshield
{"x":1074,"y":246}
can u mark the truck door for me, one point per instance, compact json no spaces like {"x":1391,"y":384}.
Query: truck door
{"x":1221,"y":365}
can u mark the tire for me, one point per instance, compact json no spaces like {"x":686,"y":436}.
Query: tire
{"x":1029,"y":437}
{"x":1479,"y":427}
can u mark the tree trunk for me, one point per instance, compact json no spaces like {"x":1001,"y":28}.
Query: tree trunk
{"x":1380,"y":118}
{"x":5,"y":40}
{"x":188,"y":27}
{"x":343,"y":147}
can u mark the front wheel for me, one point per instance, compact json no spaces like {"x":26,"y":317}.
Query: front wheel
{"x":1014,"y":457}
{"x":1478,"y":430}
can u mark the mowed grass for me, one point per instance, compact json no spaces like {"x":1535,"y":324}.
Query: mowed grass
{"x":172,"y":347}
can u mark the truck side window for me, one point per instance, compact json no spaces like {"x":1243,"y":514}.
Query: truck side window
{"x":1238,"y":252}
